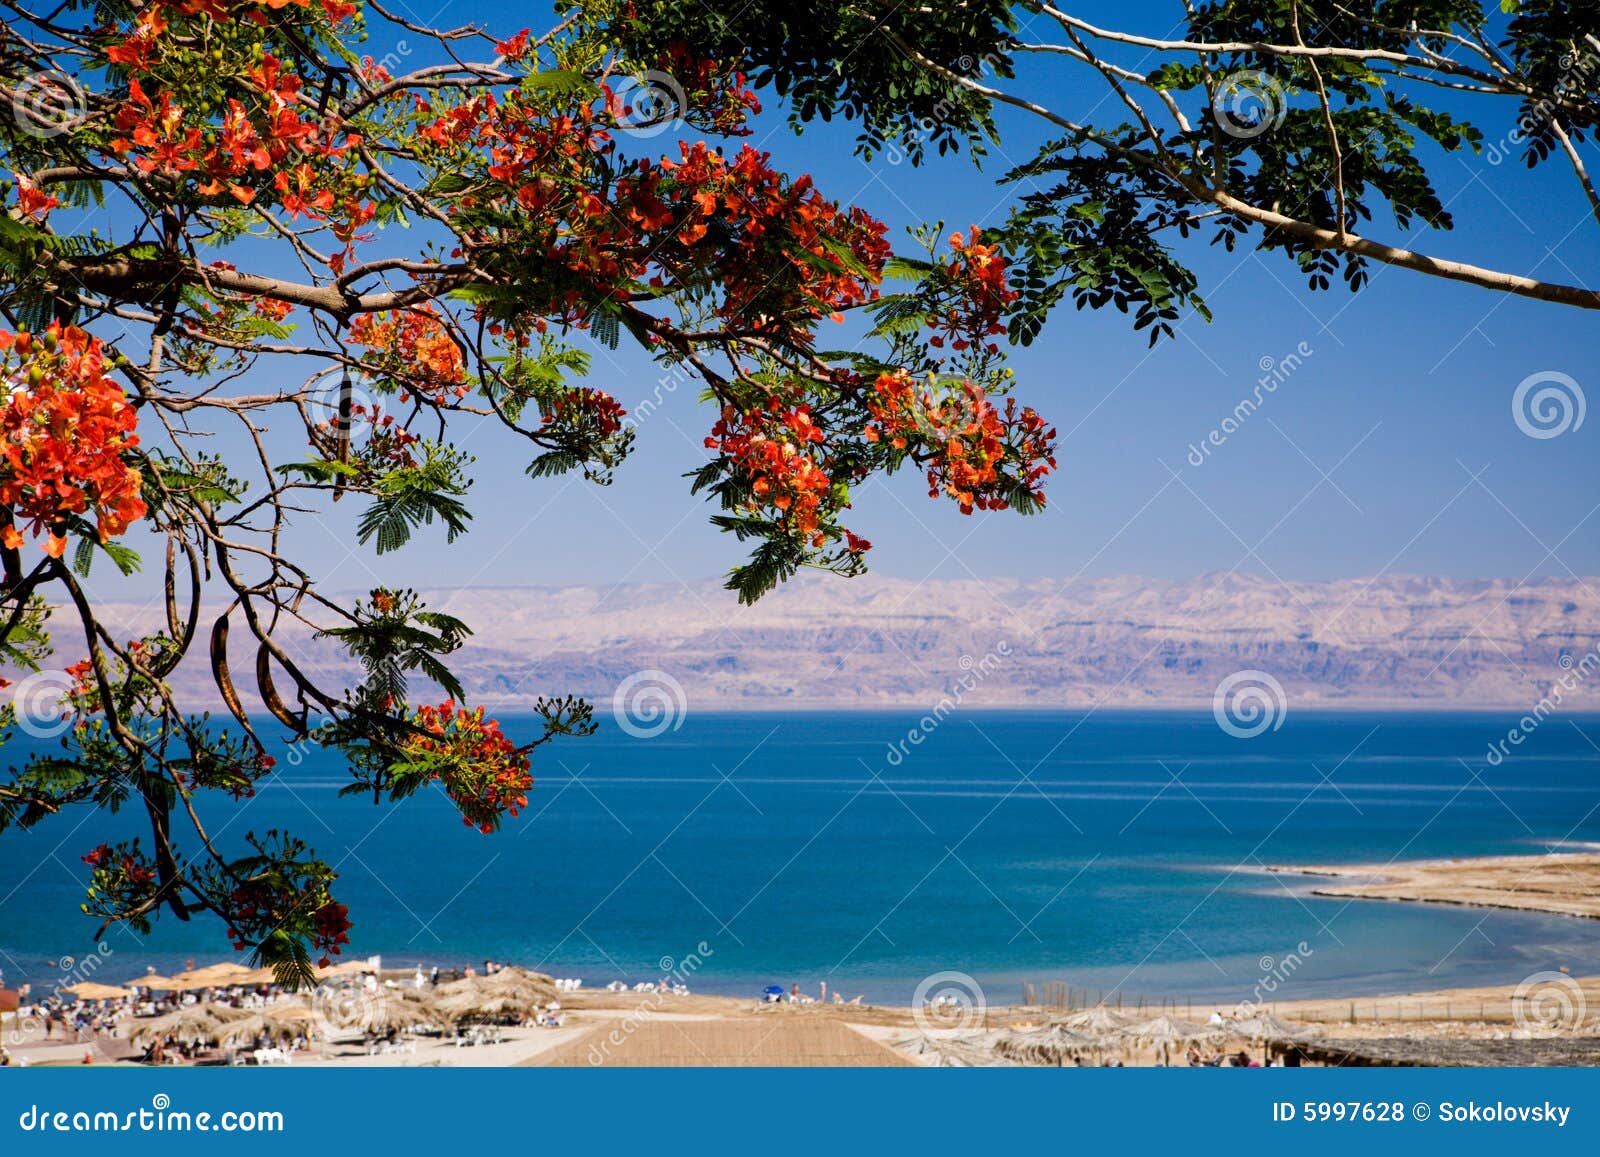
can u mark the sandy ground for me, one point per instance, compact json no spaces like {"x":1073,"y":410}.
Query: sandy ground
{"x":1565,"y":883}
{"x":739,"y":1041}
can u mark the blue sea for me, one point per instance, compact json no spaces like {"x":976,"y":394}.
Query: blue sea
{"x":1118,"y":852}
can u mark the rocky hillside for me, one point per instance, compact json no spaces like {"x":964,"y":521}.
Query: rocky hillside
{"x":821,"y":641}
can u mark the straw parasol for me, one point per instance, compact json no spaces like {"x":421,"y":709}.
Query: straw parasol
{"x":1097,"y":1021}
{"x":196,"y":1024}
{"x":1263,"y":1026}
{"x":509,"y":992}
{"x":283,"y":1022}
{"x":399,"y":1013}
{"x":539,"y":987}
{"x":1046,"y":1046}
{"x":485,"y":1006}
{"x":952,"y":1052}
{"x":89,"y":990}
{"x":1165,"y":1032}
{"x":152,"y":981}
{"x":348,"y":968}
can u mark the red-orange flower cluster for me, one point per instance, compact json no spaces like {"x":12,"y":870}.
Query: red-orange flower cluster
{"x":975,"y":277}
{"x":972,"y":451}
{"x":480,"y":768}
{"x":771,"y":447}
{"x":66,"y":431}
{"x":413,"y":346}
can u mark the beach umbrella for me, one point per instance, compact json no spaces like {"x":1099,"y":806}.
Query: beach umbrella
{"x":1263,"y":1026}
{"x":348,"y":968}
{"x":507,"y":979}
{"x":220,"y":974}
{"x":89,"y":990}
{"x":1164,"y":1032}
{"x":531,"y":989}
{"x":396,"y":1012}
{"x":484,"y":1006}
{"x":952,"y":1052}
{"x":196,"y":1024}
{"x":277,"y":1022}
{"x":1045,"y":1046}
{"x":153,"y":981}
{"x":1097,"y":1021}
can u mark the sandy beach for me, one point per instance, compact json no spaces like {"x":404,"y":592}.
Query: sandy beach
{"x":1544,"y":1018}
{"x":1500,"y":1024}
{"x":1566,"y":884}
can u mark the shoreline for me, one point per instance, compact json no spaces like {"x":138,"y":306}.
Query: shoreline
{"x":1555,"y":883}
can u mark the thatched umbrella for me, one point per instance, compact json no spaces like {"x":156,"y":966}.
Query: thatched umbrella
{"x":396,"y":1010}
{"x":509,"y":992}
{"x":952,"y":1052}
{"x":1045,"y":1046}
{"x":484,"y":1006}
{"x":195,"y":1024}
{"x":89,"y":990}
{"x":536,"y":986}
{"x":153,"y":981}
{"x":348,"y":968}
{"x":218,"y":975}
{"x":1165,"y":1032}
{"x":1263,"y":1026}
{"x":1097,"y":1021}
{"x":278,"y":1022}
{"x":1267,"y":1030}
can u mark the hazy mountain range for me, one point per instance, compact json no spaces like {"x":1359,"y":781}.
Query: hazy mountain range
{"x":824,"y":641}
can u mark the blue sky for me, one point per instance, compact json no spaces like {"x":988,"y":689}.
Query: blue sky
{"x":1392,"y":447}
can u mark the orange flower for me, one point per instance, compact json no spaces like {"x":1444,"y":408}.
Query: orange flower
{"x":65,"y":431}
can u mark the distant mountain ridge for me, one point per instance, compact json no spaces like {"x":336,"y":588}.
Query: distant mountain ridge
{"x":820,"y":641}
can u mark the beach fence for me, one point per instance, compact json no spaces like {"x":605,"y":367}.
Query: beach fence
{"x":1059,"y":995}
{"x":1489,"y":1008}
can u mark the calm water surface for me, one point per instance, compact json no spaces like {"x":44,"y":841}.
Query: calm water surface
{"x":1122,"y":850}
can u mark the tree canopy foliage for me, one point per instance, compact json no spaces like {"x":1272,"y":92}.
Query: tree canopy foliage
{"x":228,"y":216}
{"x":1303,"y":127}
